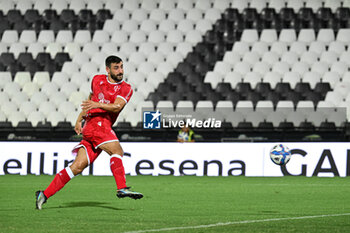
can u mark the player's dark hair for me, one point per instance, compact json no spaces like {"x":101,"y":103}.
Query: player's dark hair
{"x":112,"y":59}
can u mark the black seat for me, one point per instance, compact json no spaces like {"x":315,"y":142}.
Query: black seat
{"x":327,"y":126}
{"x":124,"y":126}
{"x":13,"y":68}
{"x":307,"y":126}
{"x":220,"y":49}
{"x":324,"y":15}
{"x":194,"y":79}
{"x":221,"y":25}
{"x":245,"y":126}
{"x":343,"y":15}
{"x":214,"y":97}
{"x":234,"y":97}
{"x":314,"y":97}
{"x":31,"y":16}
{"x":85,"y":16}
{"x":302,"y":88}
{"x":322,"y":88}
{"x":229,"y":37}
{"x":24,"y":59}
{"x":265,"y":126}
{"x":7,"y":59}
{"x":295,"y":97}
{"x":6,"y":128}
{"x":32,"y":67}
{"x":202,"y":68}
{"x":175,"y":97}
{"x":274,"y":97}
{"x":193,"y":58}
{"x":204,"y":88}
{"x":211,"y":58}
{"x":224,"y":89}
{"x":182,"y":87}
{"x":174,"y":77}
{"x":68,"y":15}
{"x":286,"y":126}
{"x":50,"y":67}
{"x":155,"y":97}
{"x":164,"y":88}
{"x":193,"y":96}
{"x":43,"y":58}
{"x":24,"y":128}
{"x":14,"y":16}
{"x":102,"y":15}
{"x":184,"y":69}
{"x":243,"y":88}
{"x":60,"y":59}
{"x":263,"y":89}
{"x":202,"y":48}
{"x":57,"y":25}
{"x":249,"y":15}
{"x":231,"y":14}
{"x":268,"y":15}
{"x":211,"y":37}
{"x":283,"y":89}
{"x":4,"y":25}
{"x":286,"y":16}
{"x":63,"y":131}
{"x":49,"y":16}
{"x":254,"y":97}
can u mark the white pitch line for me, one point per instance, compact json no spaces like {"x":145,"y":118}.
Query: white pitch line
{"x":237,"y":222}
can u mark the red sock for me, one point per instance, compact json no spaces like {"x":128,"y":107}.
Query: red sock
{"x":117,"y":169}
{"x":59,"y":181}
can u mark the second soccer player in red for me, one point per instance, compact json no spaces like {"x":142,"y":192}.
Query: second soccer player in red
{"x":109,"y":94}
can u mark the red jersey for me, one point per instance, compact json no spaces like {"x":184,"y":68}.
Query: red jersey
{"x":104,"y":91}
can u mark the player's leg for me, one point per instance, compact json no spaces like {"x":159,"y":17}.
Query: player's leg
{"x":116,"y":152}
{"x":62,"y":178}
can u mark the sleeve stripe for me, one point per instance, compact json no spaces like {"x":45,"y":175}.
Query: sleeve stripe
{"x":122,"y":98}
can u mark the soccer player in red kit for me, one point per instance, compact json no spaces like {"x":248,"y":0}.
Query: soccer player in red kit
{"x":109,"y":94}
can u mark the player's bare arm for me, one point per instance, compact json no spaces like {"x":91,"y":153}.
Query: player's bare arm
{"x":77,"y":127}
{"x":115,"y":107}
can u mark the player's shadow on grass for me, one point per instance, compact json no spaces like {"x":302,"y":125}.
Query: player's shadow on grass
{"x":80,"y":204}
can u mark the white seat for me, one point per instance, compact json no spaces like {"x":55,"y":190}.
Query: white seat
{"x":176,"y":14}
{"x":320,"y":67}
{"x":235,"y":118}
{"x":309,"y":57}
{"x":35,"y":117}
{"x":57,"y":98}
{"x":89,"y":68}
{"x":138,"y":37}
{"x":224,"y":108}
{"x":59,"y":6}
{"x":72,"y":49}
{"x":9,"y":37}
{"x":250,"y":36}
{"x":232,"y":57}
{"x":221,"y":5}
{"x":77,"y":5}
{"x":9,"y":108}
{"x":136,"y":77}
{"x":60,"y":78}
{"x":35,"y":48}
{"x":281,"y":67}
{"x":46,"y":37}
{"x":147,"y":48}
{"x":91,"y":48}
{"x":342,"y":88}
{"x":174,"y":58}
{"x":240,"y":5}
{"x":331,"y":77}
{"x":41,"y":5}
{"x":343,"y":35}
{"x":277,"y":4}
{"x":184,"y":48}
{"x":317,"y":47}
{"x":258,"y":4}
{"x":68,"y":88}
{"x":253,"y":78}
{"x":300,"y":67}
{"x":261,"y":68}
{"x":185,"y":4}
{"x":81,"y":58}
{"x":100,"y":37}
{"x":149,"y":5}
{"x":212,"y":14}
{"x":222,"y":67}
{"x":165,"y":104}
{"x":280,"y":47}
{"x":27,"y":107}
{"x":149,"y":25}
{"x":38,"y":97}
{"x":99,"y":58}
{"x":121,"y":14}
{"x":203,"y":107}
{"x":307,"y":36}
{"x":334,"y":97}
{"x":195,"y":14}
{"x":165,"y":48}
{"x":260,"y":47}
{"x":80,"y":78}
{"x":244,"y":107}
{"x":337,"y":47}
{"x":290,"y":57}
{"x":137,"y":57}
{"x":269,"y":36}
{"x":16,"y":117}
{"x":298,"y":47}
{"x":185,"y":25}
{"x":19,"y":98}
{"x":184,"y":104}
{"x":41,"y":78}
{"x":77,"y":98}
{"x":113,"y":5}
{"x":49,"y":88}
{"x":30,"y":88}
{"x":242,"y":67}
{"x":202,"y":25}
{"x":305,"y":106}
{"x":285,"y":107}
{"x":174,"y":36}
{"x":70,"y":68}
{"x":156,"y":37}
{"x":312,"y":78}
{"x":22,"y":78}
{"x":157,"y":15}
{"x":270,"y":58}
{"x":111,"y":25}
{"x":128,"y":47}
{"x":193,"y":37}
{"x":66,"y":108}
{"x":325,"y":107}
{"x":251,"y":57}
{"x":273,"y":78}
{"x":329,"y":57}
{"x":146,"y":67}
{"x":292,"y":78}
{"x":53,"y":49}
{"x":233,"y":78}
{"x":82,"y":37}
{"x":107,"y":47}
{"x":130,"y":25}
{"x":95,"y":5}
{"x":203,"y":4}
{"x":326,"y":35}
{"x":339,"y":67}
{"x":240,"y":47}
{"x":155,"y":58}
{"x":288,"y":36}
{"x":28,"y":37}
{"x":47,"y":107}
{"x":214,"y":78}
{"x":55,"y":117}
{"x":17,"y":48}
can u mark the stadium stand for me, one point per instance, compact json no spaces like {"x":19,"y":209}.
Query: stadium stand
{"x":276,"y":64}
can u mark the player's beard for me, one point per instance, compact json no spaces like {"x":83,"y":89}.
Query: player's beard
{"x":117,"y":77}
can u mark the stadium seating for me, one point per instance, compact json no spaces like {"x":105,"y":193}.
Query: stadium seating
{"x":259,"y":52}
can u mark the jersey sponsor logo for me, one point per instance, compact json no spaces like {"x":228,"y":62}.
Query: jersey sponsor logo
{"x":151,"y":119}
{"x":117,"y":88}
{"x":99,"y":123}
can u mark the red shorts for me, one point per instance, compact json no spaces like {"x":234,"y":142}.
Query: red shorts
{"x":96,"y":131}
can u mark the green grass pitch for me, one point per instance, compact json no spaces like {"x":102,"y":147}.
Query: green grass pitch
{"x":178,"y":204}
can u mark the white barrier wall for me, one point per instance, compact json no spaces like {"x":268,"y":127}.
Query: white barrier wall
{"x":212,"y":159}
